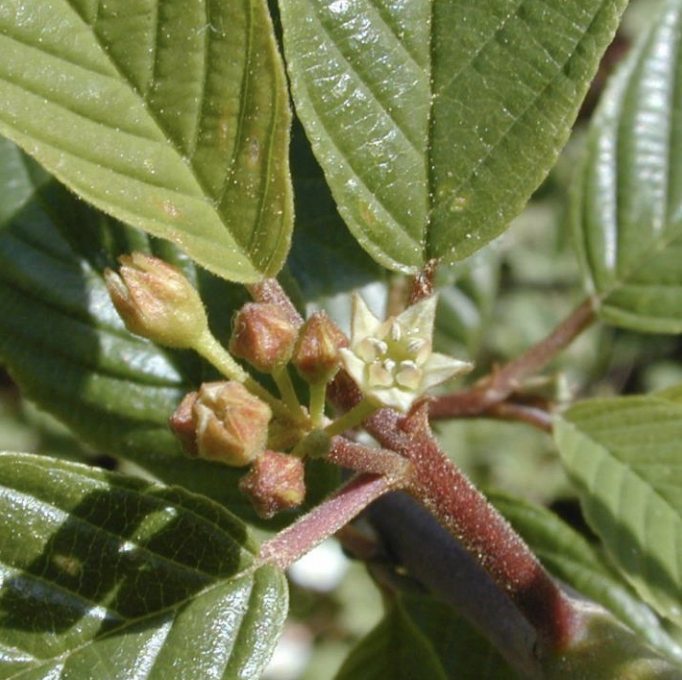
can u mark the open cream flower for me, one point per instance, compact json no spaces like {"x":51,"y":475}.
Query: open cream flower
{"x":391,"y":361}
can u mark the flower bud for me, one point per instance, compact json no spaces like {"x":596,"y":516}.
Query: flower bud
{"x":156,"y":301}
{"x":263,"y":335}
{"x":184,"y":426}
{"x":231,"y":423}
{"x":275,"y":482}
{"x":316,"y":355}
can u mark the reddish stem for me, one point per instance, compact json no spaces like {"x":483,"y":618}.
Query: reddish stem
{"x":324,"y":520}
{"x":355,"y":456}
{"x":445,"y":491}
{"x":538,"y":418}
{"x":497,"y":387}
{"x":423,"y":283}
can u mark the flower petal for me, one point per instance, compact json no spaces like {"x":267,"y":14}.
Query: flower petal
{"x":440,"y":367}
{"x":363,"y":323}
{"x":419,"y":318}
{"x":394,"y":397}
{"x":353,"y":365}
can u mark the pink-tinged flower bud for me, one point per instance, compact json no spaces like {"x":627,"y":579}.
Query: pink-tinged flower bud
{"x":231,"y":424}
{"x":275,"y":482}
{"x":156,"y":301}
{"x":183,"y":425}
{"x":316,"y":355}
{"x":263,"y":335}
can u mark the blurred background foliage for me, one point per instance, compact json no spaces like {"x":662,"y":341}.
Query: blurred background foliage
{"x":491,"y":308}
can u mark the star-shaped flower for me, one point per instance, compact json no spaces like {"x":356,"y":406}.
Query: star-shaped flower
{"x":392,"y":361}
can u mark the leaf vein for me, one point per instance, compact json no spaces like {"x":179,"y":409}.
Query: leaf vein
{"x":529,"y":106}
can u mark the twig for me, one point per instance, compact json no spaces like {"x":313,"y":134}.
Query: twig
{"x":413,"y":538}
{"x":464,"y":511}
{"x":353,"y":456}
{"x":324,"y":520}
{"x":497,"y":387}
{"x":534,"y":416}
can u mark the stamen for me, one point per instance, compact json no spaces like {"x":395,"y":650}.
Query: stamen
{"x":379,"y":376}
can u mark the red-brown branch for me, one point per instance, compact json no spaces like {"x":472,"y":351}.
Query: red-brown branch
{"x":445,"y":491}
{"x":324,"y":520}
{"x":497,"y":387}
{"x":353,"y":456}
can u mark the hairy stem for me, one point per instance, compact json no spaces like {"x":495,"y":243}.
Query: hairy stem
{"x":502,"y":382}
{"x":209,"y":348}
{"x":417,"y":541}
{"x":324,"y":520}
{"x":534,"y":416}
{"x":463,"y":510}
{"x":348,"y":454}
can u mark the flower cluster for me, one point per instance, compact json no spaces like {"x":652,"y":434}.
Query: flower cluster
{"x":237,"y":422}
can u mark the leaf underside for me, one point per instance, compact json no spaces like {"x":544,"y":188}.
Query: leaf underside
{"x":104,"y":576}
{"x":627,"y":204}
{"x":171,"y":116}
{"x":434,"y":120}
{"x":625,"y":457}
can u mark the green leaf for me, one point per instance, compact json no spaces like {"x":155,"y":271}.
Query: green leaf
{"x":435,"y":120}
{"x":420,"y":637}
{"x":394,"y":649}
{"x":627,"y":205}
{"x":172,"y":116}
{"x":64,"y":344}
{"x":463,"y":652}
{"x":624,"y":456}
{"x":325,"y":259}
{"x":568,"y":556}
{"x":105,"y":576}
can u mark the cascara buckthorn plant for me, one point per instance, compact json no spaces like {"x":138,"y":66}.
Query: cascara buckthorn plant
{"x":318,"y":210}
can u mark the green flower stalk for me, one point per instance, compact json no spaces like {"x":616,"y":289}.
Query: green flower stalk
{"x":392,"y":361}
